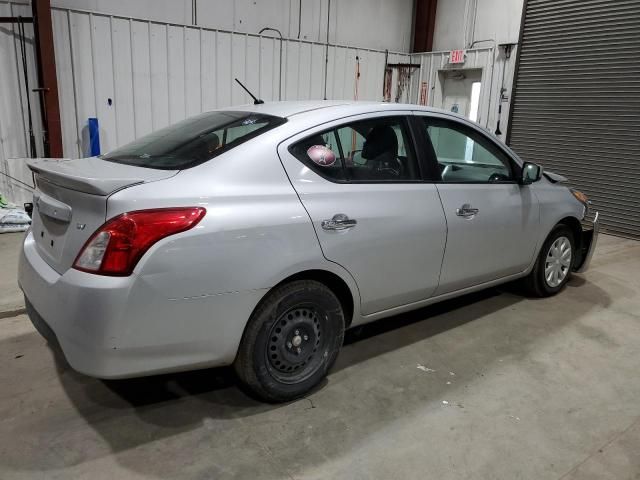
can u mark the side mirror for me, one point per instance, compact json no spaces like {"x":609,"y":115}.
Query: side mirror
{"x":531,"y":172}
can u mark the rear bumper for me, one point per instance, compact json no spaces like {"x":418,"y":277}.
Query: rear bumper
{"x":590,"y":231}
{"x":117,"y":327}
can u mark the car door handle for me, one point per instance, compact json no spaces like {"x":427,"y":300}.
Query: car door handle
{"x":467,"y":211}
{"x":339,"y":222}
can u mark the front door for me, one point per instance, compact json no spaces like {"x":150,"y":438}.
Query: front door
{"x":492,"y":220}
{"x":361,"y":185}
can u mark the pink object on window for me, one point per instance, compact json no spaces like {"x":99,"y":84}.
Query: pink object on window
{"x":321,"y":155}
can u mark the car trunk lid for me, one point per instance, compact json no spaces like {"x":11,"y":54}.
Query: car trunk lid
{"x":70,"y":202}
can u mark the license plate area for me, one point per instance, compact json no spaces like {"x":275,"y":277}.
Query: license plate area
{"x":63,"y":220}
{"x":50,"y":235}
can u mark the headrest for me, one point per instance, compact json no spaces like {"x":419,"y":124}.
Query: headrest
{"x":380,"y":140}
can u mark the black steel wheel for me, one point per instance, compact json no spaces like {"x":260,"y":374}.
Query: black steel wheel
{"x":296,"y":343}
{"x":291,"y":341}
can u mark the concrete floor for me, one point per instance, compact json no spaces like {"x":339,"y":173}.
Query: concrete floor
{"x":512,"y":388}
{"x":11,"y":300}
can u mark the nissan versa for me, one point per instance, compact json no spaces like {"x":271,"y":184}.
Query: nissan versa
{"x":256,"y":235}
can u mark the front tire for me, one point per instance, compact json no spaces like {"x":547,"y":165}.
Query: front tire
{"x":554,"y":263}
{"x":291,"y":341}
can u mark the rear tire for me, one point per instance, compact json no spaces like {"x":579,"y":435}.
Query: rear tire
{"x":291,"y":341}
{"x":552,"y":269}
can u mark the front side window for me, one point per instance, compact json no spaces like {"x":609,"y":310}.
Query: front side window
{"x":376,"y":150}
{"x":194,"y":140}
{"x":464,"y":156}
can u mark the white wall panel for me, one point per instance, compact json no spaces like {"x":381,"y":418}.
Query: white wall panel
{"x":252,"y":61}
{"x":156,"y":74}
{"x":102,"y":59}
{"x":125,"y":117}
{"x":159,"y":80}
{"x":66,"y":85}
{"x":192,"y":71}
{"x":82,"y":71}
{"x":351,"y":22}
{"x":141,"y":77}
{"x":224,"y":62}
{"x":316,"y":72}
{"x":305,"y":68}
{"x":239,"y":71}
{"x":376,"y":24}
{"x":434,"y":62}
{"x":460,"y":23}
{"x":176,"y":55}
{"x":208,"y":69}
{"x":267,"y":68}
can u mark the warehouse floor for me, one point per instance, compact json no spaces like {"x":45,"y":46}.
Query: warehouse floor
{"x":489,"y":386}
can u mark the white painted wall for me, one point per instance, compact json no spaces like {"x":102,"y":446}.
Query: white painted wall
{"x":498,"y":19}
{"x":434,"y":62}
{"x":157,"y":68}
{"x":138,"y":76}
{"x":378,"y":24}
{"x":461,"y":22}
{"x":141,"y":65}
{"x":450,"y":25}
{"x":464,"y":24}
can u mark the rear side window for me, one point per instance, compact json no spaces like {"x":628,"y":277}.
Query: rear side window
{"x":194,"y":140}
{"x":375,"y":150}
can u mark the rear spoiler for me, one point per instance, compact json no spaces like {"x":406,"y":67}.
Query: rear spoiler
{"x":93,"y":175}
{"x":554,"y":177}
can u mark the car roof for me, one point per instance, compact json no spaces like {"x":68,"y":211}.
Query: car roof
{"x":288,"y":109}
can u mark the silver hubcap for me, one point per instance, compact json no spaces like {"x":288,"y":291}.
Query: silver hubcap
{"x":558,"y":262}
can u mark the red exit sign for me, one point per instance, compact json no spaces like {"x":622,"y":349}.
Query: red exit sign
{"x":456,"y":56}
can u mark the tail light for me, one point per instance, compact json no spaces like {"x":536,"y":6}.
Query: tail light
{"x":115,"y":248}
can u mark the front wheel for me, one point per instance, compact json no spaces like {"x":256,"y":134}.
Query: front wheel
{"x":291,"y":341}
{"x":553,"y":266}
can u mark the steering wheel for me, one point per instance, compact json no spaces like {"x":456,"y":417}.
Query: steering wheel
{"x":391,"y":169}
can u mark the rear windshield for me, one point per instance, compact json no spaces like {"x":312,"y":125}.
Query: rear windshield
{"x":194,"y":140}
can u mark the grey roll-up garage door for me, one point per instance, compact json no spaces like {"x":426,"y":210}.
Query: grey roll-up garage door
{"x":576,"y":102}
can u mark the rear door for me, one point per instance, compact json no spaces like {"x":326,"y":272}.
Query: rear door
{"x":492,"y":220}
{"x":361,"y":184}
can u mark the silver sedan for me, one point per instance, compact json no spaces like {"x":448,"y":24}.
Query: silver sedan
{"x":255,"y":236}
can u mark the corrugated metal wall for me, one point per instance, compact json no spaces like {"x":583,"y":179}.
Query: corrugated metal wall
{"x":136,"y":76}
{"x":576,"y":108}
{"x":432,"y":64}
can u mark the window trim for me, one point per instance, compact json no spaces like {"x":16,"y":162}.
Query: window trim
{"x":486,"y":141}
{"x":404,"y":120}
